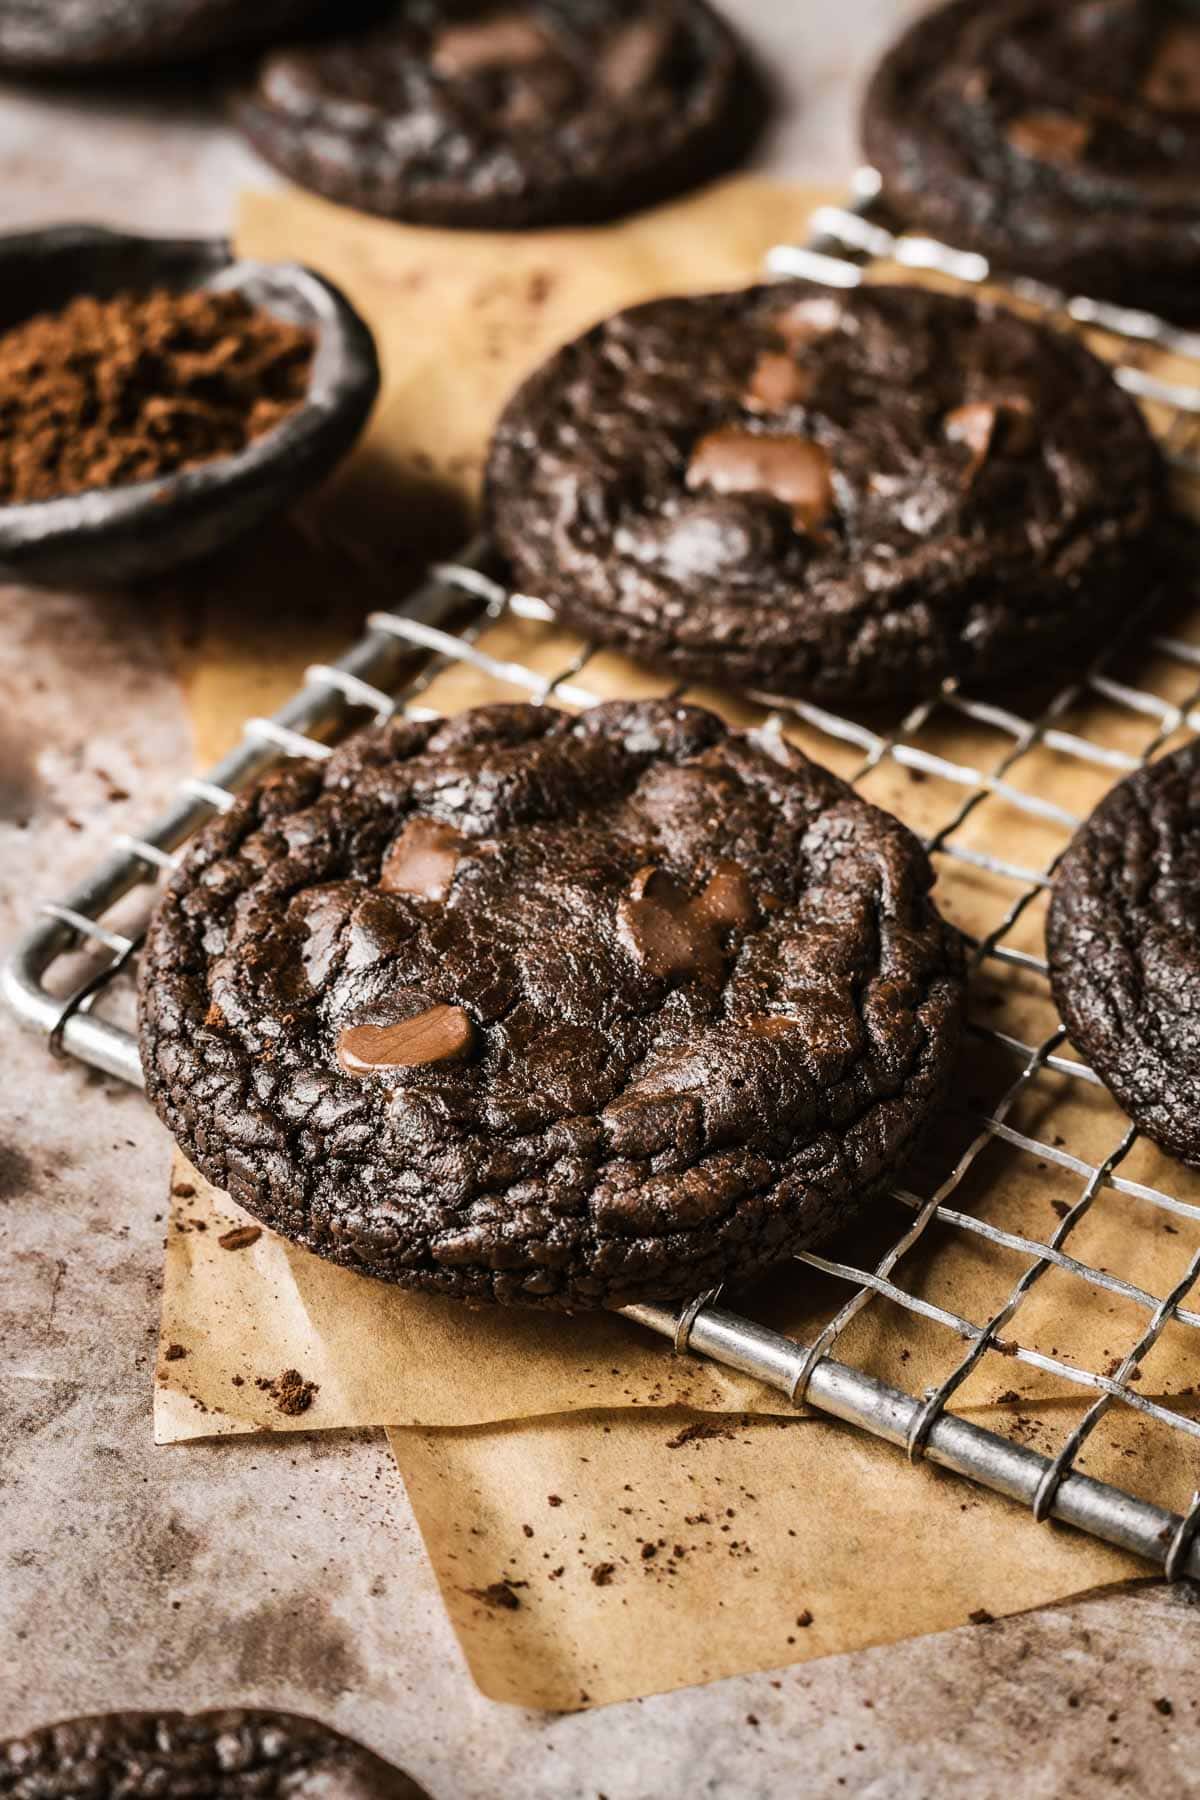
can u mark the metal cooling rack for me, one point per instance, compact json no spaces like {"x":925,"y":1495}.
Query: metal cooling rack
{"x":377,"y":677}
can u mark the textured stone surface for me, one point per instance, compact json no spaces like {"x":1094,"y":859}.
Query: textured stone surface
{"x":113,"y":1553}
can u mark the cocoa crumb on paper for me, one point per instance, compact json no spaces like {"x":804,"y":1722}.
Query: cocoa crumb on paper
{"x":693,"y":1433}
{"x":174,"y":1352}
{"x":240,"y":1238}
{"x":501,"y":1596}
{"x":291,"y":1393}
{"x":981,"y":1616}
{"x":603,"y":1573}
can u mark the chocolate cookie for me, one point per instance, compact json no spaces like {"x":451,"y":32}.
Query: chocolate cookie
{"x":1124,"y":942}
{"x":838,"y":495}
{"x":219,"y":1755}
{"x":78,"y":36}
{"x":536,"y":112}
{"x":1061,"y":140}
{"x":548,"y":1010}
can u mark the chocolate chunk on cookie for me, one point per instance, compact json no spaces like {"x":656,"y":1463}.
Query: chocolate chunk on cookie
{"x":81,"y":36}
{"x":548,"y":1010}
{"x":1124,"y":943}
{"x":509,"y":115}
{"x":1062,"y":141}
{"x":844,"y":496}
{"x":221,"y":1755}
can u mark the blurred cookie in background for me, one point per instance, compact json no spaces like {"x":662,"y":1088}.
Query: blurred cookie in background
{"x":1061,"y":141}
{"x":81,"y":37}
{"x":508,"y":116}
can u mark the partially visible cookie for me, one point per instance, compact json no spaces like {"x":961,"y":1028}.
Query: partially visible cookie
{"x":499,"y":115}
{"x":1061,"y":139}
{"x":183,"y":1756}
{"x":843,"y":496}
{"x":82,"y":36}
{"x":552,"y":1011}
{"x":1124,"y":942}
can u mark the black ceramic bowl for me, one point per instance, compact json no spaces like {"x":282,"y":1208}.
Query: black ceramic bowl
{"x":110,"y":536}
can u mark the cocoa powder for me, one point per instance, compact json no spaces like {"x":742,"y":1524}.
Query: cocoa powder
{"x":108,"y":392}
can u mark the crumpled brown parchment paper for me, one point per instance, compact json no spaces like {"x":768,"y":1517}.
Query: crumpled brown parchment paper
{"x":606,"y":1519}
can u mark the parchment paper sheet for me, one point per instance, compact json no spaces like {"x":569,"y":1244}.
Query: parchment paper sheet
{"x":884,"y":1550}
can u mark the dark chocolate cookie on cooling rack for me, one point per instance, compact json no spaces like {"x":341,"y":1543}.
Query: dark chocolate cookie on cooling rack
{"x":493,"y":115}
{"x":838,"y":495}
{"x":1124,"y":942}
{"x":1061,"y":140}
{"x":549,"y":1010}
{"x":220,"y":1755}
{"x":86,"y":36}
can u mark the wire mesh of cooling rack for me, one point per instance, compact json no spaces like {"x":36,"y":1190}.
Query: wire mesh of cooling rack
{"x":968,"y":1272}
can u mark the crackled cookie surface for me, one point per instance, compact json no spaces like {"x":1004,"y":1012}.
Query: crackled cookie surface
{"x":552,"y":1010}
{"x":1061,"y":140}
{"x":456,"y":112}
{"x":1124,"y":943}
{"x":186,"y":1756}
{"x":843,"y":496}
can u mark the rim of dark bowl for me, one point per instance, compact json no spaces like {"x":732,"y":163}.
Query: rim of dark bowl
{"x":106,"y":536}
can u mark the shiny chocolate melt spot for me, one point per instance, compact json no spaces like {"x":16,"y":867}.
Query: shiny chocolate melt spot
{"x":672,"y":933}
{"x":1049,"y":136}
{"x":1004,"y":424}
{"x":1172,"y":82}
{"x":973,"y":426}
{"x":769,"y":1025}
{"x":442,"y":1034}
{"x":509,"y":40}
{"x":794,"y":470}
{"x":423,"y":860}
{"x":776,"y":381}
{"x":631,"y":57}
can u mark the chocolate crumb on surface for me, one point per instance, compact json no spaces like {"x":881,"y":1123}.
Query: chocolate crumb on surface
{"x":693,"y":1433}
{"x":291,"y":1393}
{"x":500,"y":1595}
{"x":981,"y":1616}
{"x":174,"y":1352}
{"x":240,"y":1238}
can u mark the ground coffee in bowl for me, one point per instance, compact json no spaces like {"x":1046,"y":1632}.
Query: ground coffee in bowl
{"x":108,"y":392}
